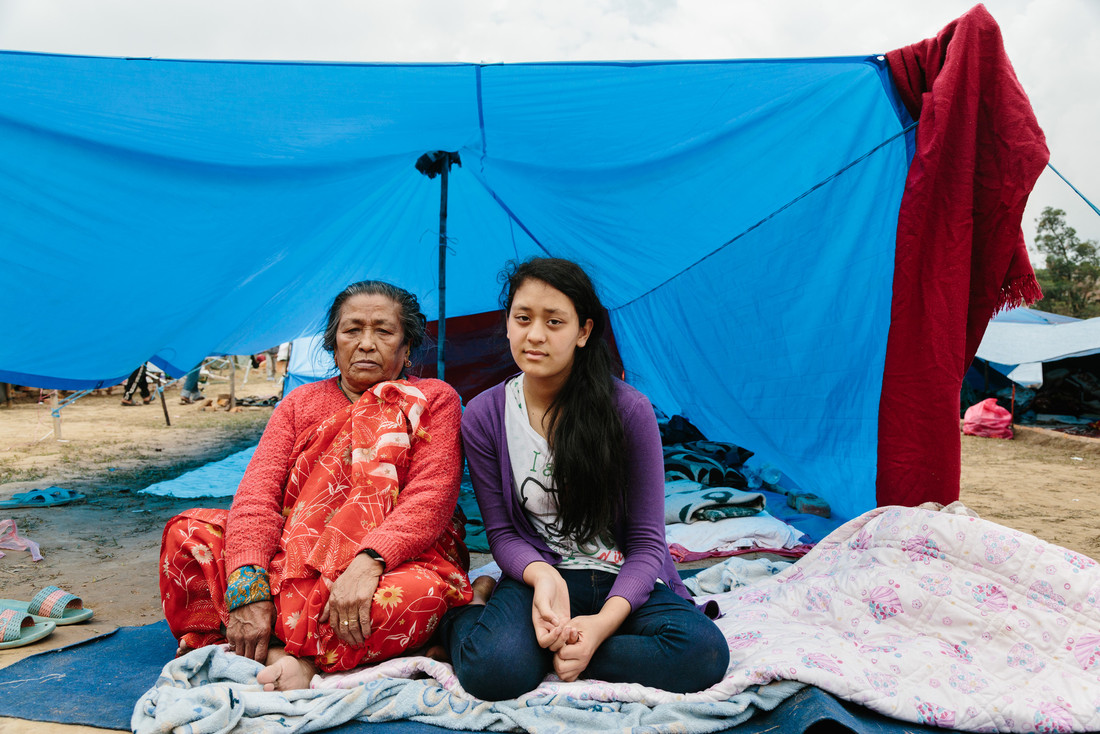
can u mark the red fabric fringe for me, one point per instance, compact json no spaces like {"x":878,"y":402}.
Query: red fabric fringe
{"x":1022,"y":291}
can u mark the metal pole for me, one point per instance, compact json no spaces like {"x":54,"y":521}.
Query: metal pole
{"x":164,"y":405}
{"x":232,"y":382}
{"x":56,"y":416}
{"x":439,"y":355}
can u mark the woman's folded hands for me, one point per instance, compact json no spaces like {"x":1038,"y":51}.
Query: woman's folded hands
{"x":550,"y":605}
{"x":349,"y":602}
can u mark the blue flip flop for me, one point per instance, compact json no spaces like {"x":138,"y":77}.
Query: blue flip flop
{"x":49,"y":497}
{"x":18,"y":629}
{"x":51,"y":604}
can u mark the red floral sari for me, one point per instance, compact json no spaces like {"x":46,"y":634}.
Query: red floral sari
{"x":346,"y":478}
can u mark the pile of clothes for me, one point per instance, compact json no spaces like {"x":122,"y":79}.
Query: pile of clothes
{"x":715,"y":502}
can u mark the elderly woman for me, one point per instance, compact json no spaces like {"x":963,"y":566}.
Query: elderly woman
{"x":340,"y":547}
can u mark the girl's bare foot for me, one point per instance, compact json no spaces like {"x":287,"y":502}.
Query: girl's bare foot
{"x":483,"y":589}
{"x":284,"y":672}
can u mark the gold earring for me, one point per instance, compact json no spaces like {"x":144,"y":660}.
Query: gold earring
{"x":408,"y":362}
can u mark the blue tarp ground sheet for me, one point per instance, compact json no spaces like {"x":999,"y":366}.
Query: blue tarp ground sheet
{"x":216,"y":479}
{"x":57,"y":686}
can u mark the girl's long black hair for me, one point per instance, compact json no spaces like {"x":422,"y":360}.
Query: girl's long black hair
{"x":585,"y":432}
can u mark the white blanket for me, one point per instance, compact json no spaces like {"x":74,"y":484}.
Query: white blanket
{"x":757,"y":531}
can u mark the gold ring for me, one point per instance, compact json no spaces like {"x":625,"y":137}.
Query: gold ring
{"x":345,"y":623}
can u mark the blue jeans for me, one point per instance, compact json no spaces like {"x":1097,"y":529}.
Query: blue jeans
{"x":191,"y":382}
{"x":666,"y":643}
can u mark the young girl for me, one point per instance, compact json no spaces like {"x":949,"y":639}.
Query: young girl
{"x":568,"y":470}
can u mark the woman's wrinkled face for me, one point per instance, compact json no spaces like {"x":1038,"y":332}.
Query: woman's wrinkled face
{"x":544,"y":331}
{"x":370,"y":343}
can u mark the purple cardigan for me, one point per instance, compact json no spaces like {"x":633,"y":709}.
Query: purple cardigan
{"x":639,"y":534}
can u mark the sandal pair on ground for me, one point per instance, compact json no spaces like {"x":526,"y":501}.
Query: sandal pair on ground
{"x":24,"y":622}
{"x":41,"y":498}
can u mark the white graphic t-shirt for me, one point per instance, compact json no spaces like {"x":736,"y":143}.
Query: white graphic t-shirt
{"x":532,"y":468}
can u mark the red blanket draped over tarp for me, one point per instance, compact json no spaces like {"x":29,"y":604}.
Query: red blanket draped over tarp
{"x":960,"y":249}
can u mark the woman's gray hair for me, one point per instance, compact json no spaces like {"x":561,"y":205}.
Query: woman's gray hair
{"x":413,"y":323}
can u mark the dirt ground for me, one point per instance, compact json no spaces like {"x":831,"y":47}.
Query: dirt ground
{"x":104,"y":548}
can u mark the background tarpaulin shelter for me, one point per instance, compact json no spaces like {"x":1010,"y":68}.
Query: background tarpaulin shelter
{"x":741,"y":218}
{"x":1018,"y":342}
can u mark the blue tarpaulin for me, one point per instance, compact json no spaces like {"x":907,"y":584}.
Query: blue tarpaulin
{"x":739,"y":218}
{"x":1019,"y":341}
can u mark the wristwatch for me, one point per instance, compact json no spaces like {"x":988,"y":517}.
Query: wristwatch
{"x":376,"y":556}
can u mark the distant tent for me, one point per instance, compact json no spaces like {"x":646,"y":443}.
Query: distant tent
{"x":774,"y":266}
{"x":1018,"y":342}
{"x":306,"y":363}
{"x":1044,"y":367}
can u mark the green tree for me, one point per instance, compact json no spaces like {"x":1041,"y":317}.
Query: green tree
{"x":1071,"y":278}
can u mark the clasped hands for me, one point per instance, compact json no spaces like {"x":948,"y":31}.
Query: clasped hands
{"x":573,"y":640}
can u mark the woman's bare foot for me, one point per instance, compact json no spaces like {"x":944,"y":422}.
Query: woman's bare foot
{"x":284,"y":672}
{"x":483,"y":589}
{"x":182,"y":649}
{"x":436,"y":652}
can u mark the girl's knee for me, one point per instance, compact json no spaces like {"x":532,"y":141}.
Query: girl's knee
{"x":496,"y":683}
{"x":710,"y":657}
{"x":495,"y":666}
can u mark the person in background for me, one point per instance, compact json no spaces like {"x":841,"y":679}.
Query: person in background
{"x":137,"y":381}
{"x":282,"y":359}
{"x":269,"y":363}
{"x":190,"y":392}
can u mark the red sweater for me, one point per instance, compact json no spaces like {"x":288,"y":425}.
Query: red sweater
{"x":424,"y":506}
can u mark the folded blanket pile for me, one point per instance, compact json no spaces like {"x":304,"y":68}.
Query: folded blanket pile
{"x":705,"y":481}
{"x":687,"y":502}
{"x":712,"y":463}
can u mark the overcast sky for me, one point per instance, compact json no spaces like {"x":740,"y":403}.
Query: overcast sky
{"x":1053,"y":44}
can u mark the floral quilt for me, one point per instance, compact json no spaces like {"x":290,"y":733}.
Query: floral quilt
{"x":932,"y":618}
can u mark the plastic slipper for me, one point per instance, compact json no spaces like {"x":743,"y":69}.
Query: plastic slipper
{"x":41,"y":498}
{"x":18,"y":629}
{"x":51,"y":604}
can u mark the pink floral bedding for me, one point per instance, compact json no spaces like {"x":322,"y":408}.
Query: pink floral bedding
{"x":932,"y":618}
